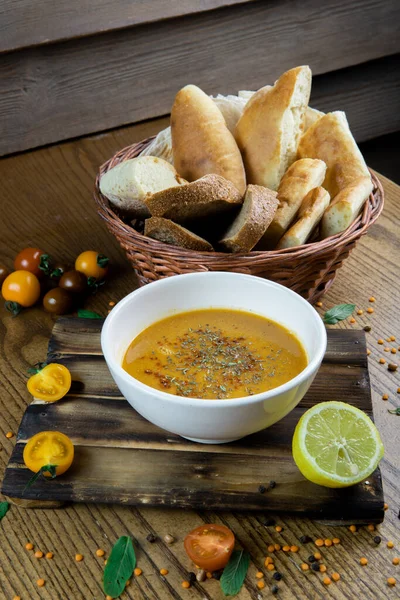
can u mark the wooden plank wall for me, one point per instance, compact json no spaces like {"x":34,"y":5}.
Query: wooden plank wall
{"x":122,"y":62}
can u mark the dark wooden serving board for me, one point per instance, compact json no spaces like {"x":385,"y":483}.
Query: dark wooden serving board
{"x":122,"y":458}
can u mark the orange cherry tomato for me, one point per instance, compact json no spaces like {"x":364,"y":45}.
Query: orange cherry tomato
{"x":210,"y":546}
{"x":92,"y":264}
{"x":21,"y":287}
{"x":50,"y":383}
{"x":29,"y":260}
{"x":49,"y":449}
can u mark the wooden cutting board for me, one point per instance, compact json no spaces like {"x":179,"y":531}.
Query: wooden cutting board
{"x":122,"y":458}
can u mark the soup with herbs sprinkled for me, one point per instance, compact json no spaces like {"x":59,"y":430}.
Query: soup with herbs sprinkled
{"x":215,"y":354}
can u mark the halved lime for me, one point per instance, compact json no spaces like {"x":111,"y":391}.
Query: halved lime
{"x":336,"y":445}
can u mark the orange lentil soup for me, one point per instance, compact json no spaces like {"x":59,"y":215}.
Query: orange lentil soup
{"x":215,"y":353}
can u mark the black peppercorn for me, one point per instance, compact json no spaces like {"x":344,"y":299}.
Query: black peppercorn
{"x":151,"y":538}
{"x":191,"y":577}
{"x":311,"y":558}
{"x":274,"y":589}
{"x":277,"y":576}
{"x":217,"y":575}
{"x":305,"y":539}
{"x":262,"y":489}
{"x":270,"y":523}
{"x":315,"y":567}
{"x":272,"y":484}
{"x":367,"y":328}
{"x":377,"y":539}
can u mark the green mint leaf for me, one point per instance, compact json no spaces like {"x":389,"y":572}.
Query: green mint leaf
{"x":119,"y":567}
{"x":4,"y":506}
{"x":338,"y":313}
{"x":88,"y":314}
{"x":396,"y":411}
{"x":235,"y":572}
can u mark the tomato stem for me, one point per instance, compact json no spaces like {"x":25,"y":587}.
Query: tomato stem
{"x":45,"y":469}
{"x":102,"y":260}
{"x":45,"y":264}
{"x":94,"y":284}
{"x":37,"y":367}
{"x":13,"y":307}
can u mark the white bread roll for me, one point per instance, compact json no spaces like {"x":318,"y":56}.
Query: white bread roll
{"x":301,"y":177}
{"x":346,"y":206}
{"x":310,"y":213}
{"x":330,"y":139}
{"x":201,"y":142}
{"x":272,"y":123}
{"x":128,"y":184}
{"x":256,"y":214}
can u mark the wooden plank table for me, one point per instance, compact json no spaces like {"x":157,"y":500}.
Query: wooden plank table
{"x":46,"y":201}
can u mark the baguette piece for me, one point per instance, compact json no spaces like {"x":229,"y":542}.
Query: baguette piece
{"x":256,"y":214}
{"x":169,"y":232}
{"x":271,"y":125}
{"x":330,"y":139}
{"x":201,"y":142}
{"x":346,"y":206}
{"x":310,"y":213}
{"x":202,"y":198}
{"x":301,"y":177}
{"x":129,"y":184}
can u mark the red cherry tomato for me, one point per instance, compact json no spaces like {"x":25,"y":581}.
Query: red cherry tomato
{"x":29,"y":260}
{"x":210,"y":546}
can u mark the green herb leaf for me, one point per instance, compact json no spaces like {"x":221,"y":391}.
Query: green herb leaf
{"x":396,"y":411}
{"x":46,"y":468}
{"x":119,"y":567}
{"x":338,"y":313}
{"x":102,"y":260}
{"x":88,"y":314}
{"x":4,"y":506}
{"x":235,"y":572}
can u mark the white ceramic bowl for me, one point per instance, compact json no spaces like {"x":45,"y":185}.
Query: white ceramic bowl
{"x":212,"y":421}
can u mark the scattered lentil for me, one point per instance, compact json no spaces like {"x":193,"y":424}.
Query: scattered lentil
{"x":49,"y":555}
{"x":169,"y":539}
{"x":393,"y":351}
{"x":128,"y":583}
{"x":377,"y":539}
{"x":105,"y":562}
{"x":38,"y":554}
{"x":371,"y":527}
{"x":318,"y":304}
{"x":371,"y":299}
{"x":78,"y":557}
{"x":151,"y":538}
{"x":360,"y":311}
{"x":392,"y":338}
{"x":137,"y":572}
{"x":111,"y":303}
{"x":315,"y":567}
{"x":368,"y":351}
{"x":286,"y":548}
{"x":327,"y":580}
{"x":294,"y":548}
{"x":201,"y":575}
{"x":278,"y":528}
{"x":100,"y":552}
{"x":391,"y":581}
{"x":385,"y":397}
{"x":271,"y":567}
{"x":40,"y":582}
{"x":277,"y":547}
{"x":271,"y":548}
{"x":382,"y":361}
{"x":9,"y":434}
{"x":328,"y":542}
{"x":209,"y":575}
{"x":305,"y":539}
{"x":259,"y":574}
{"x":277,"y":576}
{"x":385,"y":506}
{"x":262,"y":489}
{"x":109,"y":598}
{"x":352,"y":320}
{"x":336,"y":540}
{"x":396,"y":561}
{"x":390,"y":544}
{"x":392,"y":367}
{"x":186,"y":585}
{"x":275,"y":589}
{"x":317,"y":556}
{"x":370,"y":310}
{"x":387,"y":349}
{"x":268,"y":561}
{"x":380,"y":341}
{"x":322,"y":568}
{"x":260,"y":585}
{"x":17,"y":598}
{"x":363,"y":561}
{"x":335,"y":576}
{"x":29,"y":546}
{"x":304,"y":567}
{"x":164,"y":571}
{"x":367,"y":328}
{"x":319,"y":542}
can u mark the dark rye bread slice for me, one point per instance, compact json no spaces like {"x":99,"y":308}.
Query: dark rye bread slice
{"x":169,"y":232}
{"x":257,"y":212}
{"x":202,"y":198}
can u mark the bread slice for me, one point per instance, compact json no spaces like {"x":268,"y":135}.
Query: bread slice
{"x":301,"y":177}
{"x":272,"y":123}
{"x":129,"y":184}
{"x":310,"y":213}
{"x":330,"y":139}
{"x":207,"y":196}
{"x":169,"y":232}
{"x":256,"y":214}
{"x":201,"y":142}
{"x":345,"y":207}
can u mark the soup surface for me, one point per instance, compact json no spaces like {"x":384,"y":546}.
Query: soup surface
{"x":215,"y":353}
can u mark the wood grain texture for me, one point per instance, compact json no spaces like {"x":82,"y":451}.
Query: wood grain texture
{"x":77,"y":87}
{"x":25,"y":23}
{"x":48,"y":201}
{"x":122,"y":458}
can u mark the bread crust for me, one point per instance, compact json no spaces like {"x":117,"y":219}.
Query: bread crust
{"x":310,"y":213}
{"x":201,"y":141}
{"x":171,"y":233}
{"x":346,"y":206}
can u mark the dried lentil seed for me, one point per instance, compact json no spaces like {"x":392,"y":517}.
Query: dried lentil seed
{"x":385,"y":397}
{"x":137,"y":572}
{"x":286,"y":548}
{"x":335,"y":576}
{"x":392,"y":338}
{"x":260,"y":585}
{"x":381,"y":361}
{"x":368,"y":351}
{"x":327,"y":580}
{"x":317,"y":556}
{"x":319,"y":542}
{"x":322,"y":568}
{"x":271,"y":567}
{"x":271,"y":548}
{"x":164,"y":571}
{"x":278,"y":528}
{"x":385,"y":506}
{"x":392,"y":367}
{"x":370,"y":310}
{"x":49,"y":555}
{"x":352,"y":320}
{"x":259,"y":574}
{"x":294,"y":548}
{"x":304,"y":567}
{"x":38,"y":554}
{"x":387,"y":349}
{"x":186,"y":585}
{"x":371,"y":527}
{"x":209,"y":575}
{"x":363,"y":561}
{"x":380,"y":341}
{"x":100,"y":552}
{"x":390,"y":544}
{"x":9,"y":434}
{"x":360,"y":311}
{"x":40,"y":582}
{"x":268,"y":561}
{"x":353,"y":528}
{"x":393,"y":351}
{"x":391,"y":581}
{"x":328,"y":542}
{"x":29,"y":546}
{"x":371,"y":299}
{"x":336,"y":541}
{"x":396,"y":561}
{"x":277,"y":547}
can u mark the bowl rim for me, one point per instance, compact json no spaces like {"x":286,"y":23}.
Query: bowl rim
{"x":313,"y":364}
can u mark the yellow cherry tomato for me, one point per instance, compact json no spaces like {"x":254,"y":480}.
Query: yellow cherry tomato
{"x":92,"y":264}
{"x":49,"y":449}
{"x":50,"y":383}
{"x":21,"y":287}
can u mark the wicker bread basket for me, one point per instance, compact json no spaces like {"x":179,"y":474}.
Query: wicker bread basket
{"x":309,"y":269}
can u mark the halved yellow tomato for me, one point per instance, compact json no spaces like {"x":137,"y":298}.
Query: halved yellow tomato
{"x":50,"y":383}
{"x":50,"y":452}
